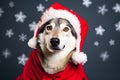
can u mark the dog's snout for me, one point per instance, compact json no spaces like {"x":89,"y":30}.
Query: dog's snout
{"x":55,"y":42}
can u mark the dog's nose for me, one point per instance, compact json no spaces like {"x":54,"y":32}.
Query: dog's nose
{"x":55,"y":42}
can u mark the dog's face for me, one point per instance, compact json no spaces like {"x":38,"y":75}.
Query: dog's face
{"x":57,"y":34}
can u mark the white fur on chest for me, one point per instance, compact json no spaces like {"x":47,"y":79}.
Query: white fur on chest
{"x":56,"y":62}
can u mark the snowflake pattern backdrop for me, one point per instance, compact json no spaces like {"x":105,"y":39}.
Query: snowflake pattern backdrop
{"x":102,"y":44}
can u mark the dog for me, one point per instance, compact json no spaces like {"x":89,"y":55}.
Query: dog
{"x":56,"y":40}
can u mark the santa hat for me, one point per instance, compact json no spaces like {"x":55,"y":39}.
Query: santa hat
{"x":58,"y":11}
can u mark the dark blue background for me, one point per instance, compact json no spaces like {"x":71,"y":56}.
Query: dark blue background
{"x":95,"y":68}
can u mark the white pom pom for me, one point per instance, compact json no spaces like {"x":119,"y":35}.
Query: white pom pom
{"x":32,"y":42}
{"x":79,"y":58}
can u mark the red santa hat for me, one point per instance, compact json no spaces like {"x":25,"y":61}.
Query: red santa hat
{"x":58,"y":11}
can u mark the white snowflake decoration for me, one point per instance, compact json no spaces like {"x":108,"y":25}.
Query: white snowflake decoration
{"x":87,"y":3}
{"x":22,"y":59}
{"x":1,"y":12}
{"x":112,"y":42}
{"x":117,"y":25}
{"x":32,"y":26}
{"x":9,"y":33}
{"x":46,"y":0}
{"x":102,"y":9}
{"x":20,"y":17}
{"x":22,"y":37}
{"x":99,"y":30}
{"x":40,"y":8}
{"x":116,"y":8}
{"x":6,"y":53}
{"x":11,"y":4}
{"x":104,"y":56}
{"x":96,"y":43}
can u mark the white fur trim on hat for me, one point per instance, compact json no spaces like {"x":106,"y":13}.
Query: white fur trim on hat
{"x":53,"y":13}
{"x":79,"y":58}
{"x":32,"y":42}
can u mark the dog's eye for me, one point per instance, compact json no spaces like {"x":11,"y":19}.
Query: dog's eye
{"x":66,"y":29}
{"x":49,"y":27}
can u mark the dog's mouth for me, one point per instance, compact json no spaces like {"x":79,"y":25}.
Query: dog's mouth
{"x":57,"y":48}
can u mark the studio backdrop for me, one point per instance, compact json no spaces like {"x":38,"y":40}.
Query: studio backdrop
{"x":102,"y":44}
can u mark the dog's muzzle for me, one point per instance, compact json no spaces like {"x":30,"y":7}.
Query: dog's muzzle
{"x":55,"y":43}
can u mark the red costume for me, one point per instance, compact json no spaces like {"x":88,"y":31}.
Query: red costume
{"x":34,"y":71}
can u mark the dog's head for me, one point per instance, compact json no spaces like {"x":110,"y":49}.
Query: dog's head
{"x":57,"y":34}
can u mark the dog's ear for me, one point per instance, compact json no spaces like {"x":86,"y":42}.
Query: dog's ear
{"x":72,"y":30}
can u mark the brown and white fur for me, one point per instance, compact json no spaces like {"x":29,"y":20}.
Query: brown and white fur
{"x":57,"y":41}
